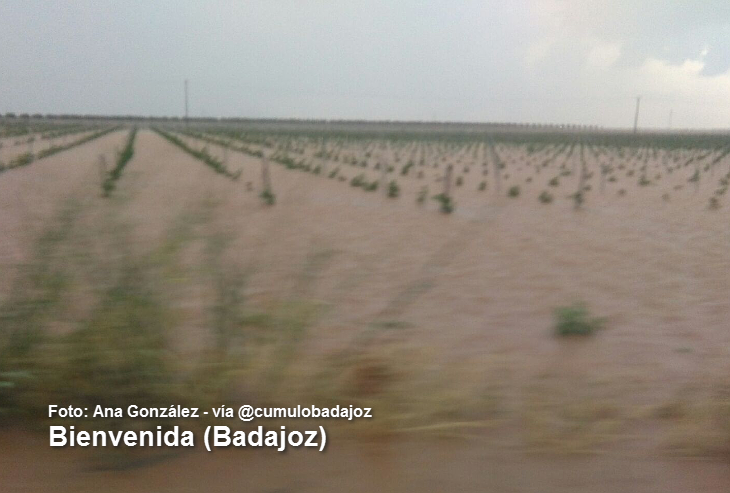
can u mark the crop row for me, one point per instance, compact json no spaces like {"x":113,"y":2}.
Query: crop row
{"x":122,"y":159}
{"x":201,"y":154}
{"x":28,"y":157}
{"x":56,"y":149}
{"x":542,"y":169}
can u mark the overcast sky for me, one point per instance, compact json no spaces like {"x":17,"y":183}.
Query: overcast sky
{"x":564,"y":61}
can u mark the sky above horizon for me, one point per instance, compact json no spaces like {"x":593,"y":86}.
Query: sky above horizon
{"x":536,"y":61}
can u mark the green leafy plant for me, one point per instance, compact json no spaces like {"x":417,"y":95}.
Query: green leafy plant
{"x":268,"y":197}
{"x":445,"y":202}
{"x":393,"y":189}
{"x":545,"y":197}
{"x":122,"y":160}
{"x":23,"y":160}
{"x":576,"y":320}
{"x":357,"y":181}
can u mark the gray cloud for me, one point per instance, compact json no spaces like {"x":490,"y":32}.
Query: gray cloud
{"x":576,"y":61}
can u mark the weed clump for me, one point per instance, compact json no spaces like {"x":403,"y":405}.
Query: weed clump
{"x":268,"y":197}
{"x":357,"y":181}
{"x":446,"y":204}
{"x":393,"y":189}
{"x":576,"y":320}
{"x":545,"y":197}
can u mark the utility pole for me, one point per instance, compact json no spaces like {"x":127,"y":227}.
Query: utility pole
{"x":186,"y":102}
{"x":324,"y":157}
{"x":636,"y":116}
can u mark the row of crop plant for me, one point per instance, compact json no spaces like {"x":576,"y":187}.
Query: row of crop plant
{"x":28,"y":157}
{"x":123,"y":158}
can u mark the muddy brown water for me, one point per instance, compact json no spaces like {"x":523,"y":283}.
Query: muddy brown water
{"x":28,"y":464}
{"x":475,"y":290}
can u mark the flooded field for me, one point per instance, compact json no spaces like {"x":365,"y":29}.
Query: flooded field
{"x":425,"y":275}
